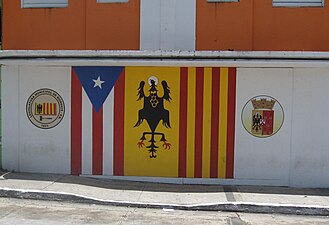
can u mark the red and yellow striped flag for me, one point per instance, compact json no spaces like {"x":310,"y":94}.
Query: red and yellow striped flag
{"x":202,"y":123}
{"x":207,"y":107}
{"x":45,"y":108}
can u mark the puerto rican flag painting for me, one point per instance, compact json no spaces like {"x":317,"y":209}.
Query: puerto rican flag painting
{"x":92,"y":102}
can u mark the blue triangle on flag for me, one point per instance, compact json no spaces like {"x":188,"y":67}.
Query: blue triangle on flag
{"x":98,"y":81}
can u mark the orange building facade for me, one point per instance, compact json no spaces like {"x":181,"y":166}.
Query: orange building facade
{"x":248,"y":25}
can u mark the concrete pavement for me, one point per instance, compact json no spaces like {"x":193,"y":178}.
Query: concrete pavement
{"x":256,"y":199}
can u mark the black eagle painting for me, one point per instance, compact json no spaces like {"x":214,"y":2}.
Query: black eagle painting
{"x":153,"y":112}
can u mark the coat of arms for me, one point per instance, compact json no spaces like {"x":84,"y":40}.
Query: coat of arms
{"x":262,"y":116}
{"x":153,"y":112}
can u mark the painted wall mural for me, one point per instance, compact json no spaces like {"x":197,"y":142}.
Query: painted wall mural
{"x":242,"y":123}
{"x":153,"y":121}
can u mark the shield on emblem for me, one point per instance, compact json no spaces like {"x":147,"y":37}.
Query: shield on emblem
{"x":262,"y":122}
{"x":262,"y":116}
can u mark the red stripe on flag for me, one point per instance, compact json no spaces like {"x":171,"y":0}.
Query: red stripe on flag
{"x":97,"y":143}
{"x":119,"y":103}
{"x":76,"y":125}
{"x":198,"y":122}
{"x":55,"y":109}
{"x":214,"y":122}
{"x":183,"y":122}
{"x":231,"y":122}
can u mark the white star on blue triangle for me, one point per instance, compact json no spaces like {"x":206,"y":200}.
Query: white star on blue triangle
{"x":98,"y":81}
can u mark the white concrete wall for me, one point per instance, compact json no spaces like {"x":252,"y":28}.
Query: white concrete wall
{"x":263,"y":158}
{"x":10,"y":117}
{"x":310,"y":137}
{"x":26,"y":147}
{"x":297,"y":155}
{"x":167,"y":24}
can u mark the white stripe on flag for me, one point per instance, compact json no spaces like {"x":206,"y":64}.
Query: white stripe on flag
{"x":108,"y":112}
{"x":86,"y":135}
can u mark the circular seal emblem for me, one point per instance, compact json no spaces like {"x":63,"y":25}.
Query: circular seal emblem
{"x":262,"y":116}
{"x":45,"y":108}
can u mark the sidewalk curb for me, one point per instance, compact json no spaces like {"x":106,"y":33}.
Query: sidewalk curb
{"x":246,"y":207}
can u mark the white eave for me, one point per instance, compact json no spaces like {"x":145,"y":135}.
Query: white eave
{"x":165,"y":58}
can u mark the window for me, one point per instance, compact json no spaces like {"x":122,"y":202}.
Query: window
{"x":298,"y":3}
{"x":44,"y":3}
{"x":111,"y":1}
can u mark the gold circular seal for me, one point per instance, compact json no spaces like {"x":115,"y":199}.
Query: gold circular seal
{"x":45,"y":108}
{"x":262,"y":116}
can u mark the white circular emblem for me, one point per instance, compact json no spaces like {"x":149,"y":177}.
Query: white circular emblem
{"x":45,"y":108}
{"x":262,"y":116}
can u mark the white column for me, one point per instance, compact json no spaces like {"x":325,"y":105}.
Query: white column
{"x":167,"y":24}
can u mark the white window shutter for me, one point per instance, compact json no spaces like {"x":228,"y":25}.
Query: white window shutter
{"x":298,"y":3}
{"x":44,"y":3}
